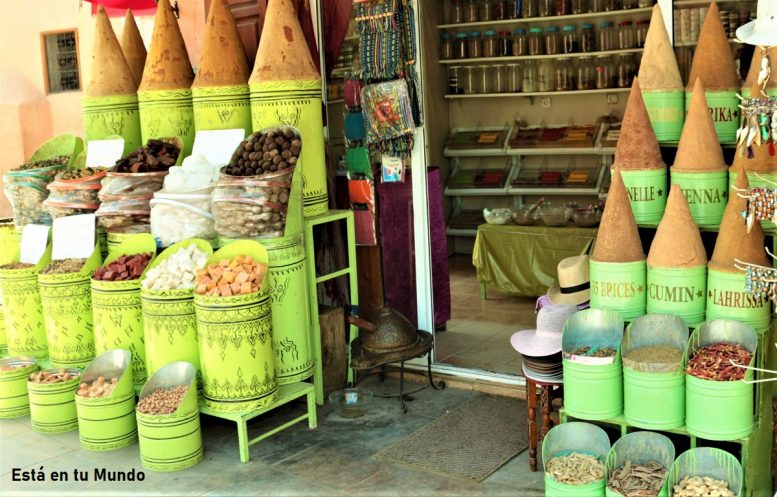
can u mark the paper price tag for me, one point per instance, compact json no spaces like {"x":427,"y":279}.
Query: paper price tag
{"x":104,"y":153}
{"x":35,"y":238}
{"x":73,"y":237}
{"x":217,"y":145}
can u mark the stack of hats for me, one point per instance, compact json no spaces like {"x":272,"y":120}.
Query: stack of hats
{"x":540,"y":348}
{"x":132,"y":46}
{"x":574,"y":285}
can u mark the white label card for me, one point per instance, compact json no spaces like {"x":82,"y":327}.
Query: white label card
{"x":35,"y":238}
{"x":217,"y":145}
{"x":73,"y":237}
{"x":104,"y":153}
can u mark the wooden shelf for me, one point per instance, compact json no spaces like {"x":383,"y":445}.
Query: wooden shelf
{"x":518,"y":58}
{"x":589,"y":16}
{"x":539,"y":94}
{"x":705,"y":3}
{"x":552,"y":191}
{"x":476,"y":192}
{"x":529,"y":151}
{"x":678,"y":44}
{"x":461,"y":232}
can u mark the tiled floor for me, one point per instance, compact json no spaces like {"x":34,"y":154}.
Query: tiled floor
{"x":478,"y":334}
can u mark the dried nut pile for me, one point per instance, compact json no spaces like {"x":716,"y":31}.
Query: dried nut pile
{"x":97,"y":388}
{"x":713,"y":362}
{"x":702,"y":486}
{"x":179,"y":271}
{"x":154,"y":157}
{"x":638,"y":480}
{"x":595,"y":351}
{"x":64,"y":266}
{"x":575,"y":469}
{"x":17,"y":265}
{"x":53,"y":376}
{"x":662,"y":354}
{"x":262,"y":153}
{"x":240,"y":276}
{"x":84,"y":172}
{"x":126,"y":267}
{"x":162,"y":401}
{"x":62,"y":160}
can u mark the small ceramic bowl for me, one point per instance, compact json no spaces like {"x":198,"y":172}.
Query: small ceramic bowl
{"x":497,"y":216}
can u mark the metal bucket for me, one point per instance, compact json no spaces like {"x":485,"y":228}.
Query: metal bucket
{"x":647,"y":189}
{"x":727,"y":299}
{"x":706,"y":194}
{"x":639,"y":448}
{"x":583,"y":438}
{"x":14,"y":401}
{"x":167,"y":113}
{"x":710,"y":462}
{"x":53,"y":405}
{"x":619,"y":286}
{"x":678,"y":291}
{"x":667,"y":113}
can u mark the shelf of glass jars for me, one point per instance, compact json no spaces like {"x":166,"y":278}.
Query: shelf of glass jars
{"x":693,"y":43}
{"x":538,"y":93}
{"x":519,"y":58}
{"x":591,"y":16}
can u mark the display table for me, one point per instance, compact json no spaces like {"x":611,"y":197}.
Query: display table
{"x":522,"y":260}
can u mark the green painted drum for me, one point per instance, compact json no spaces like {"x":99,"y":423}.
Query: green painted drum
{"x":720,"y":410}
{"x":171,"y":442}
{"x":678,"y":291}
{"x":724,"y":109}
{"x":14,"y":401}
{"x":647,"y":191}
{"x":222,"y":107}
{"x":108,"y":423}
{"x":583,"y":438}
{"x":639,"y":448}
{"x":53,"y":405}
{"x":706,"y":193}
{"x":667,"y":113}
{"x":727,"y":299}
{"x":619,"y":286}
{"x":3,"y":340}
{"x":765,"y":180}
{"x":115,"y":239}
{"x":711,"y":462}
{"x":165,"y":113}
{"x":235,"y":336}
{"x":298,"y":104}
{"x":111,"y":116}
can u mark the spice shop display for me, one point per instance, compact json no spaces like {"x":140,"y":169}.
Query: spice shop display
{"x":126,"y":267}
{"x":164,"y":94}
{"x":14,"y":400}
{"x":706,"y":472}
{"x":52,"y":400}
{"x":638,"y":464}
{"x":74,"y":191}
{"x":573,"y":455}
{"x":132,"y":47}
{"x":239,"y":276}
{"x":25,"y":189}
{"x":220,"y":89}
{"x":718,"y":361}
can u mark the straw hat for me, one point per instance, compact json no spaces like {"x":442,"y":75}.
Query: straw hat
{"x":546,"y":339}
{"x":109,"y":73}
{"x":713,"y":61}
{"x":762,"y":31}
{"x":132,"y":46}
{"x":574,"y":285}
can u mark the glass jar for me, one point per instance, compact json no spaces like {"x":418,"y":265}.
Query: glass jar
{"x":529,"y":81}
{"x":565,"y":71}
{"x":579,"y":6}
{"x":501,"y":10}
{"x":629,"y":4}
{"x":470,"y":11}
{"x":446,"y":47}
{"x":610,"y":5}
{"x":529,"y":8}
{"x":645,"y":3}
{"x":457,"y":12}
{"x":504,"y":44}
{"x":596,"y":5}
{"x":563,"y":7}
{"x":520,"y":42}
{"x":486,"y":10}
{"x":606,"y":36}
{"x":569,"y":40}
{"x":547,"y":8}
{"x":552,"y":41}
{"x":642,"y":29}
{"x":515,"y":82}
{"x":474,"y":45}
{"x":455,"y":80}
{"x":483,"y":79}
{"x":587,"y":38}
{"x":499,"y":79}
{"x":626,"y":35}
{"x":536,"y":42}
{"x":585,"y":73}
{"x":626,"y":70}
{"x":489,"y":44}
{"x":546,"y":75}
{"x":460,"y":46}
{"x":604,"y":72}
{"x":468,"y":85}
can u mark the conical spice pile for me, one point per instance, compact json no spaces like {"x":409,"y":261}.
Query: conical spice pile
{"x":699,"y":148}
{"x":223,"y":61}
{"x":658,"y":68}
{"x":167,"y":64}
{"x":637,"y":146}
{"x":618,"y":236}
{"x":109,"y":74}
{"x":132,"y":46}
{"x":677,"y":243}
{"x":713,"y":61}
{"x":755,"y":67}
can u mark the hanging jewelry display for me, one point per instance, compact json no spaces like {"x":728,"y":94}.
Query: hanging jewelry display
{"x":759,"y":114}
{"x":760,"y":281}
{"x":761,"y":203}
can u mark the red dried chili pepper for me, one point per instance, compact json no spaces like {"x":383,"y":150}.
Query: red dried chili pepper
{"x":713,"y":362}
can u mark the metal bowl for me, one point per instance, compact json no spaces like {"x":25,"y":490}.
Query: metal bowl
{"x":351,"y":402}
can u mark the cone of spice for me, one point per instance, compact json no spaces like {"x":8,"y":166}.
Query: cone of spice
{"x":677,"y":264}
{"x":618,"y":278}
{"x":660,"y":80}
{"x":110,"y":104}
{"x":638,"y":158}
{"x":285,"y":88}
{"x":755,"y":67}
{"x":220,"y":89}
{"x":726,"y":296}
{"x":713,"y":63}
{"x":165,"y":95}
{"x":132,"y":46}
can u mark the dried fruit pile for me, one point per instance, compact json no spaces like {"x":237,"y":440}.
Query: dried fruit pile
{"x":97,"y":388}
{"x":638,"y":480}
{"x":62,"y":160}
{"x":698,"y":486}
{"x":177,"y":271}
{"x":64,"y":266}
{"x":162,"y":401}
{"x":595,"y":351}
{"x":240,"y":276}
{"x":263,"y":153}
{"x":663,"y":354}
{"x":53,"y":376}
{"x":126,"y":267}
{"x":575,"y":469}
{"x":154,"y":157}
{"x":85,"y":172}
{"x":17,"y":265}
{"x":713,"y":362}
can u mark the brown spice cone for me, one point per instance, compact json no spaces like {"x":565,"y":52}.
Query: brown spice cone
{"x":223,"y":61}
{"x":167,"y":65}
{"x":658,"y":69}
{"x":109,"y":73}
{"x":734,"y":242}
{"x":283,"y":53}
{"x":637,"y":146}
{"x":132,"y":46}
{"x":677,"y":243}
{"x":755,"y":66}
{"x":713,"y":61}
{"x":699,"y":147}
{"x":618,"y":237}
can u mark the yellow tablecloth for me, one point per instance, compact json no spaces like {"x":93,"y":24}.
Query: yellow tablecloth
{"x":522,"y":260}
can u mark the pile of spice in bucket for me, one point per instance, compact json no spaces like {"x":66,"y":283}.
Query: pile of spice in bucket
{"x":702,"y":486}
{"x":240,"y":276}
{"x":162,"y":401}
{"x":575,"y":469}
{"x":179,"y":271}
{"x":717,"y":362}
{"x":638,"y":480}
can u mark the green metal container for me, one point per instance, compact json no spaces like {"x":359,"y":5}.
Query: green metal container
{"x":619,"y":286}
{"x":647,"y":189}
{"x":53,"y":405}
{"x":166,"y":113}
{"x":108,"y":423}
{"x":298,"y":104}
{"x":115,"y":238}
{"x":222,"y":107}
{"x":592,"y":390}
{"x":169,"y":321}
{"x":706,"y":194}
{"x":711,"y":462}
{"x":667,"y":113}
{"x":118,"y":312}
{"x":582,"y":438}
{"x":727,"y":299}
{"x":9,"y":250}
{"x":720,"y":410}
{"x":654,"y":393}
{"x":3,"y":339}
{"x":112,"y":116}
{"x":171,"y":442}
{"x":14,"y":402}
{"x":724,"y":109}
{"x":678,"y":291}
{"x":747,"y":91}
{"x":765,"y":181}
{"x":639,"y":448}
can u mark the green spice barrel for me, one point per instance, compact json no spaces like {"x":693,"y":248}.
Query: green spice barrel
{"x":667,"y":113}
{"x":640,"y":447}
{"x":53,"y":405}
{"x":167,"y":113}
{"x":235,"y":336}
{"x":720,"y":410}
{"x":582,"y":438}
{"x":9,"y":250}
{"x":727,"y":299}
{"x":678,"y":291}
{"x":171,"y":442}
{"x":706,"y":193}
{"x":647,"y":189}
{"x":112,"y":116}
{"x":14,"y":402}
{"x":724,"y":109}
{"x":710,"y":462}
{"x":654,"y":391}
{"x":593,"y":389}
{"x":221,"y":107}
{"x":108,"y":423}
{"x":3,"y":341}
{"x":619,"y":286}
